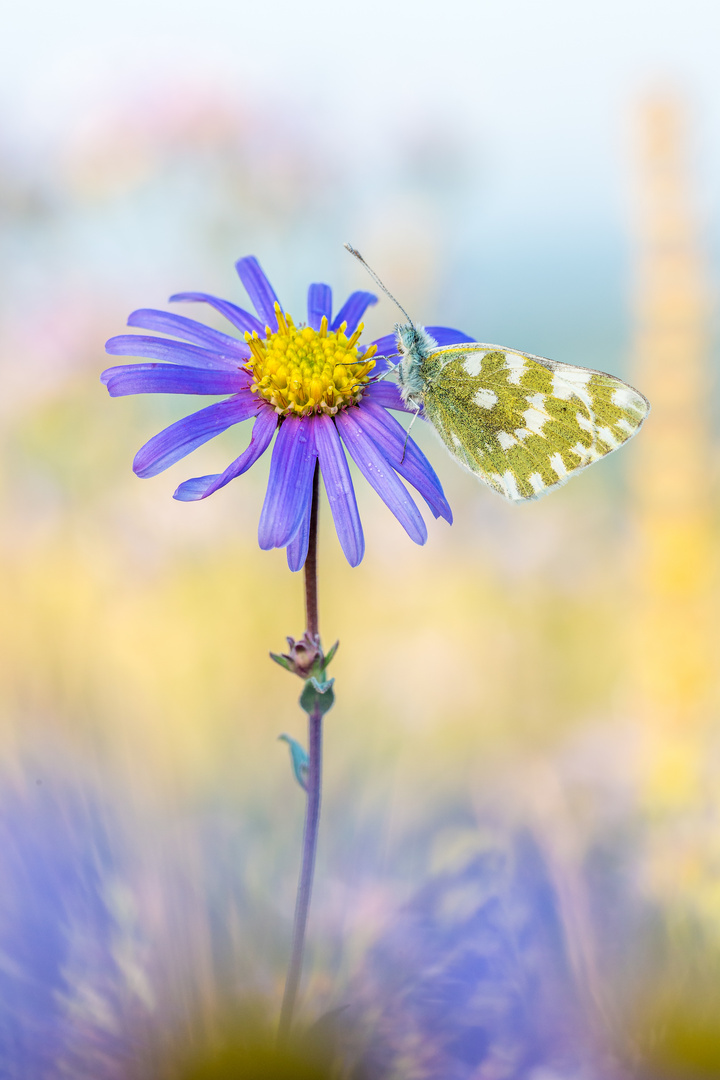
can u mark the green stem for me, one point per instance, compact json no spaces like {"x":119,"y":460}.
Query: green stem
{"x":312,"y":813}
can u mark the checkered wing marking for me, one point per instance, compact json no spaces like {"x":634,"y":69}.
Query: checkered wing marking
{"x":524,"y":424}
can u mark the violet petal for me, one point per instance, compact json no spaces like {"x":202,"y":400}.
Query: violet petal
{"x":202,"y":486}
{"x":290,"y":483}
{"x":446,"y":335}
{"x":381,"y":476}
{"x":387,"y":394}
{"x":236,"y":315}
{"x":404,"y":455}
{"x":171,"y":379}
{"x":166,"y":322}
{"x":182,"y":437}
{"x":319,"y":304}
{"x":339,"y":488}
{"x":297,"y":549}
{"x":259,"y":290}
{"x":353,"y":310}
{"x":173,"y":352}
{"x":386,"y":345}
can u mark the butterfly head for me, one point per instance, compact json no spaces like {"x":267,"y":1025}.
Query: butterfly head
{"x":414,"y":345}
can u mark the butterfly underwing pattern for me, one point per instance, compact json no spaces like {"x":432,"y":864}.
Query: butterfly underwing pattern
{"x":521,"y":423}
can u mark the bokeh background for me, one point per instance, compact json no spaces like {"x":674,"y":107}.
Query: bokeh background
{"x":518,"y":867}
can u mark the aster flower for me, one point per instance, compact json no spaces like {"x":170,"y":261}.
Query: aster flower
{"x":312,"y":384}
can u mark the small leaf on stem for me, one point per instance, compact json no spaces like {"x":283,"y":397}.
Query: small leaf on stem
{"x":317,"y":696}
{"x":283,"y":661}
{"x":299,"y":758}
{"x":329,"y":656}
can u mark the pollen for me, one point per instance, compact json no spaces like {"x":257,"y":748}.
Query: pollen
{"x":302,"y":371}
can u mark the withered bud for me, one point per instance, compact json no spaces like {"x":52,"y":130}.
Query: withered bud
{"x":304,"y":657}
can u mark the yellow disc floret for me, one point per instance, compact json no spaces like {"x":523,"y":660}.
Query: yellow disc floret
{"x":301,"y":371}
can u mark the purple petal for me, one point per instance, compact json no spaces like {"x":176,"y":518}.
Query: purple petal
{"x":290,"y":484}
{"x":353,"y":310}
{"x":171,"y":379}
{"x":166,"y":322}
{"x":386,"y":345}
{"x":236,"y":315}
{"x":404,"y":455}
{"x":444,"y":335}
{"x":259,"y":290}
{"x":388,"y":395}
{"x":202,"y":486}
{"x":380,"y":475}
{"x":192,"y":431}
{"x":297,"y":549}
{"x":319,"y":304}
{"x":174,"y":352}
{"x":194,"y":489}
{"x":339,"y":488}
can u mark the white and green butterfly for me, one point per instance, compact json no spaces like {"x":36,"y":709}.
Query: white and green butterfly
{"x":521,"y":423}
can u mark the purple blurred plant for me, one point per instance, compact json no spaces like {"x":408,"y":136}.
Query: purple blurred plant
{"x":474,"y":979}
{"x":319,"y":390}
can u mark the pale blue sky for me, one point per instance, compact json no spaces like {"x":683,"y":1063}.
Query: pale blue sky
{"x":542,"y":86}
{"x":541,"y":95}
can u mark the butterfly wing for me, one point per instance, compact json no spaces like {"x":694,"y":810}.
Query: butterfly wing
{"x":523,"y":424}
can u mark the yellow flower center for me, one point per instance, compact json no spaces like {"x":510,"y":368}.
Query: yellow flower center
{"x":301,"y":371}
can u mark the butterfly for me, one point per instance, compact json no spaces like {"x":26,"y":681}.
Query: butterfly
{"x":522,"y":424}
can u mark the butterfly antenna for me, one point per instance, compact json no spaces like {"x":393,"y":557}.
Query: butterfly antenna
{"x":378,"y":282}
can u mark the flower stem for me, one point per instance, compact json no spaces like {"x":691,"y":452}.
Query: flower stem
{"x":311,"y":594}
{"x":312,"y":813}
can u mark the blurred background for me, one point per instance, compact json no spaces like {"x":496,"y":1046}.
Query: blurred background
{"x":519,"y":859}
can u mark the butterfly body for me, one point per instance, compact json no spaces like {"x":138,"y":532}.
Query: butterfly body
{"x":522,"y":424}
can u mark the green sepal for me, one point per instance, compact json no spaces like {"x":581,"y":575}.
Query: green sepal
{"x":329,"y":656}
{"x":299,"y":759}
{"x":317,"y":696}
{"x":283,"y":661}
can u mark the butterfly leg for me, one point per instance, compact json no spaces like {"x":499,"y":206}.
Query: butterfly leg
{"x":407,"y":434}
{"x":375,"y":378}
{"x":389,"y":371}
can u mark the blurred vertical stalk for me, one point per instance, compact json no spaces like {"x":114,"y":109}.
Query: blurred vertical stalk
{"x":674,"y":643}
{"x":314,"y":778}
